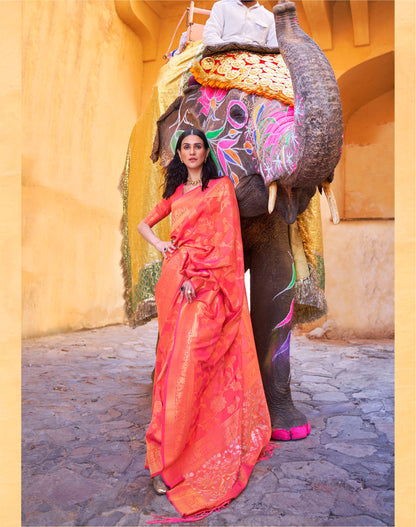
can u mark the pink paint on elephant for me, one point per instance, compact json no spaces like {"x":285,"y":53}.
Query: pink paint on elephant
{"x":297,"y":432}
{"x":210,"y":96}
{"x":288,"y":319}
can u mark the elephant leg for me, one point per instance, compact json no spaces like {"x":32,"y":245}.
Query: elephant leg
{"x":272,"y":278}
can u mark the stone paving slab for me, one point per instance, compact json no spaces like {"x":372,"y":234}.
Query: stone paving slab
{"x":86,"y":404}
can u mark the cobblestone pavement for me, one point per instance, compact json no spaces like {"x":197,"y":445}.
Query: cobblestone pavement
{"x":86,"y":405}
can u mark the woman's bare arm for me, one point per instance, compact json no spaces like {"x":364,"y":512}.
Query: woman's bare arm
{"x":150,"y":236}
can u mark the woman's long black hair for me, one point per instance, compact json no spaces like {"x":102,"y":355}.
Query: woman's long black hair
{"x":176,"y":172}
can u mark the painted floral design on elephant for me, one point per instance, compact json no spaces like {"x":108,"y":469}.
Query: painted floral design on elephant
{"x":272,"y":132}
{"x":226,"y":149}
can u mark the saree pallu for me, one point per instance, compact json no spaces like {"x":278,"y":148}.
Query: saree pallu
{"x":210,"y":420}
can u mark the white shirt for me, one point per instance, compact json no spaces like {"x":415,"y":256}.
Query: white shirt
{"x":232,"y":21}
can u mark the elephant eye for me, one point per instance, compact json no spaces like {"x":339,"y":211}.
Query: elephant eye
{"x":237,"y":113}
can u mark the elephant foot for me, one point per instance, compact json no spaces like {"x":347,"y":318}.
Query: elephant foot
{"x":297,"y":432}
{"x":288,"y":423}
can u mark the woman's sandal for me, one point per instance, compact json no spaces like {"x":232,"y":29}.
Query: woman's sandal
{"x":159,"y":485}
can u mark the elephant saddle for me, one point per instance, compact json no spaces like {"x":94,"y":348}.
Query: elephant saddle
{"x":250,"y":70}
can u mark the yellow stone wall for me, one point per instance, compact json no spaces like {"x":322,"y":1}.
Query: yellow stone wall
{"x":369,"y":160}
{"x":10,"y":261}
{"x":10,"y":168}
{"x":87,"y":76}
{"x":359,"y":254}
{"x":82,"y":80}
{"x":359,"y":265}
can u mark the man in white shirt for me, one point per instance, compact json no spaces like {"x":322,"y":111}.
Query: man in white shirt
{"x":242,"y":21}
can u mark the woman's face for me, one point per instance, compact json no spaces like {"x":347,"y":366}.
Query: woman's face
{"x":193,"y":152}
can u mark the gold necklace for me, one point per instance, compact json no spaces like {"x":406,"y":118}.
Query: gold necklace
{"x":195,"y":182}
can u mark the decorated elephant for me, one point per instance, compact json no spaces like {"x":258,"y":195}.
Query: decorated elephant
{"x":274,"y":122}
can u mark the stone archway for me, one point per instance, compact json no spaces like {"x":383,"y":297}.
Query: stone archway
{"x":365,"y":176}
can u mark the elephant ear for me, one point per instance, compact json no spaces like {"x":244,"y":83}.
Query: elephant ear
{"x":170,"y":114}
{"x":177,"y":118}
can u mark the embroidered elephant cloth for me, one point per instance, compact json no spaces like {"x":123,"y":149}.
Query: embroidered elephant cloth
{"x":210,"y":420}
{"x":260,"y":73}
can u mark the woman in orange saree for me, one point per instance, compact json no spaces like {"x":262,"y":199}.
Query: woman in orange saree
{"x":210,"y":421}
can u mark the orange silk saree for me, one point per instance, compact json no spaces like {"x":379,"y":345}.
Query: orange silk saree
{"x":210,"y":420}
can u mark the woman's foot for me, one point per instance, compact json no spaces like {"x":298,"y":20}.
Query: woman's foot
{"x":159,"y":485}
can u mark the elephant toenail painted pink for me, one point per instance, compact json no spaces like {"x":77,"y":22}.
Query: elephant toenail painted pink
{"x":297,"y":432}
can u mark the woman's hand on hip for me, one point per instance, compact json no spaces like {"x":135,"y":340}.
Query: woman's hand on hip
{"x":165,"y":247}
{"x":187,"y":291}
{"x":147,"y":233}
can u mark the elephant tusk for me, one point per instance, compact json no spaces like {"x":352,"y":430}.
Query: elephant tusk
{"x":272,"y":196}
{"x":332,"y":204}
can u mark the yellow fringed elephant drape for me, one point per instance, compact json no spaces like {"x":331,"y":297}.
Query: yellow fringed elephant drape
{"x":141,"y":188}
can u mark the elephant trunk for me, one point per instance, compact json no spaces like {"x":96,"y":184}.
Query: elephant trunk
{"x":318,"y":127}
